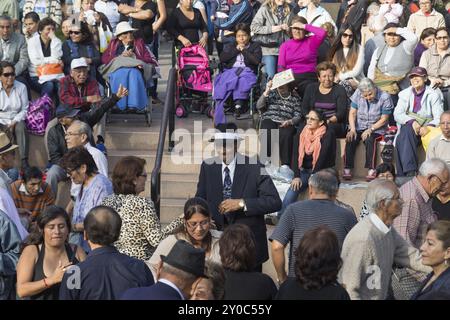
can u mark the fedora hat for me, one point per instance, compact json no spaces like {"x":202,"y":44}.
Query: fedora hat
{"x":5,"y":144}
{"x":226,"y":131}
{"x":185,"y":257}
{"x":123,"y":27}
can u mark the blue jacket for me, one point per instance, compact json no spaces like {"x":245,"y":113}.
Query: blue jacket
{"x":438,"y":290}
{"x":105,"y":275}
{"x":9,"y":255}
{"x":158,"y":291}
{"x":241,"y":12}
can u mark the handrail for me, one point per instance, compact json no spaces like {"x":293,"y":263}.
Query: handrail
{"x":168,"y":117}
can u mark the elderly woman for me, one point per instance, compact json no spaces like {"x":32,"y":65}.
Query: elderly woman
{"x":239,"y":76}
{"x":441,"y":203}
{"x":280,"y":108}
{"x":348,"y":56}
{"x":329,"y":98}
{"x":427,"y":40}
{"x":80,"y":45}
{"x":46,"y":256}
{"x":436,"y":60}
{"x":317,"y":263}
{"x":317,"y":151}
{"x":237,"y":253}
{"x":419,"y":107}
{"x":45,"y":51}
{"x":128,"y":61}
{"x":14,"y":107}
{"x":210,"y":287}
{"x":300,"y":53}
{"x":436,"y":254}
{"x":196,"y":231}
{"x":81,"y":168}
{"x":141,"y":229}
{"x":271,"y":22}
{"x":368,"y":119}
{"x":391,"y":62}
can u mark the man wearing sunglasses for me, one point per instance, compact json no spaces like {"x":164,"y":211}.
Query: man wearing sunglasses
{"x":13,"y":48}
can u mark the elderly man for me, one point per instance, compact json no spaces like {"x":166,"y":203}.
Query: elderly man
{"x":440,"y":146}
{"x":178,"y":274}
{"x":56,"y":142}
{"x":417,"y":193}
{"x":105,"y":274}
{"x":373,"y":246}
{"x":13,"y":49}
{"x":77,"y":90}
{"x":302,"y":216}
{"x":13,"y":109}
{"x":426,"y":17}
{"x":237,"y":190}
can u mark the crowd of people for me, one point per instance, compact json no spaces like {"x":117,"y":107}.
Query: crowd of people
{"x":378,"y":73}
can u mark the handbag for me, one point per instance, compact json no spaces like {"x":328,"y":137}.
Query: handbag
{"x":49,"y":71}
{"x":38,"y":115}
{"x":271,"y":40}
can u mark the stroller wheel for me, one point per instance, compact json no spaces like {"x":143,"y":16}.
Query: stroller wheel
{"x":180,"y":111}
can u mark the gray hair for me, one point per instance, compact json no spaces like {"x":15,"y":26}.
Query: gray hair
{"x":366,"y":85}
{"x":182,"y":275}
{"x":379,"y":190}
{"x":84,"y":128}
{"x":324,"y":182}
{"x":432,"y":166}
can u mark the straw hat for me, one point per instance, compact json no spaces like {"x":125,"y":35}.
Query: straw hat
{"x":123,"y":27}
{"x":5,"y":144}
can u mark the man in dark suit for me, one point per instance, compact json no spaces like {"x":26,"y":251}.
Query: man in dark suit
{"x":178,"y":274}
{"x":237,"y":189}
{"x":105,"y":274}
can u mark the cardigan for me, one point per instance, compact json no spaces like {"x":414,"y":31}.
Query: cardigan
{"x":252,"y":56}
{"x":37,"y":56}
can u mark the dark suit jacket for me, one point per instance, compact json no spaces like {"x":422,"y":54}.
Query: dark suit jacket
{"x":158,"y":291}
{"x":257,"y":190}
{"x":438,"y":290}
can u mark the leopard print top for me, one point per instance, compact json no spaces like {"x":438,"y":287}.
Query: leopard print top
{"x":141,"y":229}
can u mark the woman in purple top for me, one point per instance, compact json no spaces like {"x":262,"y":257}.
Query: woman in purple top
{"x":427,"y":39}
{"x":300,"y":53}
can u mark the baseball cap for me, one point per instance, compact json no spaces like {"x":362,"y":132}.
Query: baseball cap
{"x":78,"y":63}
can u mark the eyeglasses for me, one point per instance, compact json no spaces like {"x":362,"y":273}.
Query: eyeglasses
{"x":143,"y":175}
{"x":346,"y":35}
{"x":391,"y":34}
{"x":310,"y":118}
{"x":442,"y":38}
{"x":8,"y":74}
{"x":126,"y":33}
{"x":442,"y":182}
{"x":194,"y":225}
{"x":75,"y":32}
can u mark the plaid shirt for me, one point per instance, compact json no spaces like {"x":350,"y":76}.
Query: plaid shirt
{"x":417,"y":213}
{"x":74,"y":96}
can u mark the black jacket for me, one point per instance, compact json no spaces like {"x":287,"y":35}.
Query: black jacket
{"x":249,"y":183}
{"x":252,"y":56}
{"x":56,"y":142}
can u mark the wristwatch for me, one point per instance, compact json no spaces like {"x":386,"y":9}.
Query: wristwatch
{"x":242,"y":204}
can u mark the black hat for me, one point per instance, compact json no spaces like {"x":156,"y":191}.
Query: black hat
{"x":185,"y":257}
{"x":66,"y":111}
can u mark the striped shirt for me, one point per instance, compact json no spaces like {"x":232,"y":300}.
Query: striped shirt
{"x":417,"y":213}
{"x":303,"y":216}
{"x":36,"y":204}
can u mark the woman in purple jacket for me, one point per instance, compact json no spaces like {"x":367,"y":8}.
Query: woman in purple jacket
{"x":300,"y":53}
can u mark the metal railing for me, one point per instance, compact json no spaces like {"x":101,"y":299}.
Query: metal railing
{"x":168,"y":118}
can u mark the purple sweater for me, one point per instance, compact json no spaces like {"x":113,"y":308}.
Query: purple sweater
{"x":301,"y":55}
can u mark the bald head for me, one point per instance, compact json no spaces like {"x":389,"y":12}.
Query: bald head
{"x":102,"y":225}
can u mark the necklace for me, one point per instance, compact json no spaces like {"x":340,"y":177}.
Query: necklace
{"x":279,"y":93}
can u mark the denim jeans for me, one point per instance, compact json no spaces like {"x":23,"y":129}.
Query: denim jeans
{"x":291,"y":195}
{"x":270,"y":65}
{"x":51,"y":88}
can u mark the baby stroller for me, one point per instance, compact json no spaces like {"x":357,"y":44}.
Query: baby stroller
{"x":193,"y":81}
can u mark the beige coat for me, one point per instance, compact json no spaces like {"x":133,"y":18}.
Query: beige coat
{"x":437,"y":66}
{"x":418,"y":21}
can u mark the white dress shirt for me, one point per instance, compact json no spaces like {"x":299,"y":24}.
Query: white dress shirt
{"x":379,"y":223}
{"x":15,"y":106}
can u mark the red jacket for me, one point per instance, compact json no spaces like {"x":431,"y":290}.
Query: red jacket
{"x":73,"y":96}
{"x":140,"y":49}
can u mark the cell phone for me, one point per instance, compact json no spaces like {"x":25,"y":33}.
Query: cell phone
{"x":131,"y":47}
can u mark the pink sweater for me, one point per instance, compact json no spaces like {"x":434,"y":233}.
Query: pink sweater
{"x":301,"y":55}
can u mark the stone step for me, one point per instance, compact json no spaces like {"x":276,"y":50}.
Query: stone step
{"x":171,"y":209}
